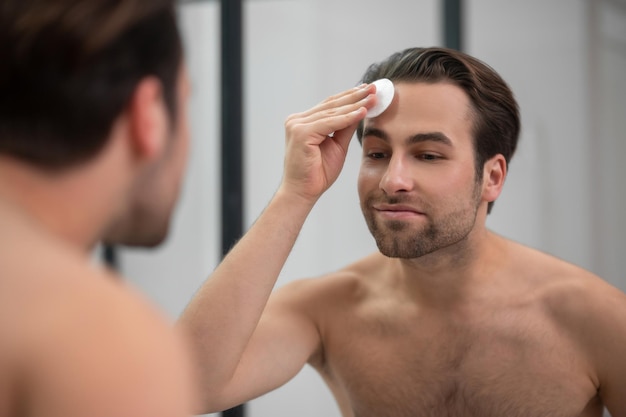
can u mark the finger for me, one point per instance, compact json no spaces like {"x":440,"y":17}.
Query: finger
{"x":323,"y":113}
{"x":323,"y":123}
{"x":350,"y":97}
{"x":317,"y":131}
{"x":344,"y":136}
{"x":347,"y":97}
{"x":345,"y":93}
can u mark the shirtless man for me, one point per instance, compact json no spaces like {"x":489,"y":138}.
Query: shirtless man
{"x":93,"y":144}
{"x":448,"y":319}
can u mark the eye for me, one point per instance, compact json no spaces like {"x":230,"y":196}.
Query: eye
{"x":376,"y":155}
{"x":428,"y":157}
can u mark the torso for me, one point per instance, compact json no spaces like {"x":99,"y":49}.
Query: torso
{"x":385,"y":355}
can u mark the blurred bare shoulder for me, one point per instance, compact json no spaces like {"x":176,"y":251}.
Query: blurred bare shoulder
{"x":77,"y":340}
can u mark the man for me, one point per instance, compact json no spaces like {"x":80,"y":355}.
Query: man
{"x":93,"y":144}
{"x":448,"y":319}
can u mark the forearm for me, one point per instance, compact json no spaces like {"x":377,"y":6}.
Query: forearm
{"x":224,"y":313}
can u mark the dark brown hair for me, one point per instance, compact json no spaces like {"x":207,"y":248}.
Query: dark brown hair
{"x":69,"y":67}
{"x":496,"y":113}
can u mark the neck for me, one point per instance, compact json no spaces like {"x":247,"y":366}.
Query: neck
{"x":452,"y":276}
{"x":73,"y":206}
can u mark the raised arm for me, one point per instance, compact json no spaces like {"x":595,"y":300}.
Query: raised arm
{"x":222,"y":317}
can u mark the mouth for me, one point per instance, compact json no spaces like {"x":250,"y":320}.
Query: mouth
{"x":397,"y":211}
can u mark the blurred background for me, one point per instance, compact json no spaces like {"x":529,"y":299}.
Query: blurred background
{"x":565,"y":194}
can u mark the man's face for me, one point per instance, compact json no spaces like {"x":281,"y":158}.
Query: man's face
{"x":417,"y":183}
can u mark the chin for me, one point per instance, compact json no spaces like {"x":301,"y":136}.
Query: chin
{"x":145,"y":236}
{"x":151,"y":241}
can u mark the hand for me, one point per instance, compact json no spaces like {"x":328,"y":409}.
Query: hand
{"x":317,"y":141}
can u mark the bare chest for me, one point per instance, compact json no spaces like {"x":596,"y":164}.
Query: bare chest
{"x":488,"y":368}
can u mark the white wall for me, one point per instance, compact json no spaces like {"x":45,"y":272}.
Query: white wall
{"x":566,"y":62}
{"x":564,"y":59}
{"x":546,"y":199}
{"x":607,"y":137}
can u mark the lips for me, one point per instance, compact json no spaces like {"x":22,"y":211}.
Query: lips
{"x":396,"y":208}
{"x":397,"y":211}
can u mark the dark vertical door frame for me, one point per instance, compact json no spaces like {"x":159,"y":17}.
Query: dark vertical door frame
{"x":109,"y":256}
{"x":231,"y":123}
{"x":453,"y":24}
{"x":232,"y":133}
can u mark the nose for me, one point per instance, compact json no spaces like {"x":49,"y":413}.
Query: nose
{"x":397,"y":177}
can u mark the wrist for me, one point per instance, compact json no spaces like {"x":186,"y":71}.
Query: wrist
{"x":295,"y":198}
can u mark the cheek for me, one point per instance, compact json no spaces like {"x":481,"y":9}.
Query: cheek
{"x":463,"y":193}
{"x":360,"y":188}
{"x":367,"y":180}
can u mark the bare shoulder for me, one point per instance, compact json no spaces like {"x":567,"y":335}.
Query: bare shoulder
{"x":568,"y":289}
{"x":591,"y":313}
{"x":346,"y":286}
{"x":316,"y":307}
{"x":585,"y":305}
{"x":81,"y":342}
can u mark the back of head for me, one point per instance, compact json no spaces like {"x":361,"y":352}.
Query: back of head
{"x":69,"y":68}
{"x":496,"y":113}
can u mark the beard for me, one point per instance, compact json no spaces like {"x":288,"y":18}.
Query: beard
{"x":404,"y":239}
{"x":139,"y":228}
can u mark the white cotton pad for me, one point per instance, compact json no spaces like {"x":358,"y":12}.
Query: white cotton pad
{"x":384,"y":96}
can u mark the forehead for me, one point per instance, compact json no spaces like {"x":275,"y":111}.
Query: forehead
{"x":424,"y":108}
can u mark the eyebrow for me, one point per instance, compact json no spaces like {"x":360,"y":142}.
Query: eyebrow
{"x":417,"y":138}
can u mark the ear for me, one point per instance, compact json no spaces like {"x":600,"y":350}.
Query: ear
{"x":494,"y":174}
{"x":148,"y":119}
